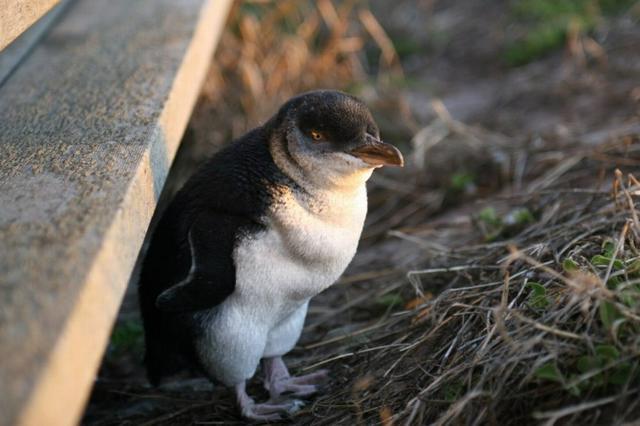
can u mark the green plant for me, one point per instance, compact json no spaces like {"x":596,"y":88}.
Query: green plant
{"x":460,"y":181}
{"x":495,"y":226}
{"x":489,"y":216}
{"x":127,"y":336}
{"x":546,"y":24}
{"x":549,"y":371}
{"x":569,"y":265}
{"x":406,"y":46}
{"x":390,"y":300}
{"x":538,"y":296}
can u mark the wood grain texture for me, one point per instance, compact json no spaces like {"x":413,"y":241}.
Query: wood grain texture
{"x":19,"y":48}
{"x":89,"y":125}
{"x":18,"y":15}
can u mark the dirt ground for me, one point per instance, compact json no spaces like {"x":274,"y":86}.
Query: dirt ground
{"x":508,"y":168}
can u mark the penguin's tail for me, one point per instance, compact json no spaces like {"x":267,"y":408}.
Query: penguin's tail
{"x":163,"y":348}
{"x":167,"y":335}
{"x":162,"y":357}
{"x":162,"y":365}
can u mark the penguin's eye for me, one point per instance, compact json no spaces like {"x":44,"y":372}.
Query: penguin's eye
{"x":316,"y":135}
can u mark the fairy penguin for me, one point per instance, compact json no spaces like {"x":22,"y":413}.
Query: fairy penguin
{"x":264,"y":225}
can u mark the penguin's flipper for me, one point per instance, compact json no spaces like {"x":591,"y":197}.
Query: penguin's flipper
{"x":211,"y":278}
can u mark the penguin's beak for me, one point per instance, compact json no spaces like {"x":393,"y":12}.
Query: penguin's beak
{"x":377,"y":153}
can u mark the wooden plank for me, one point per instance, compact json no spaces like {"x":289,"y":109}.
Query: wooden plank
{"x":18,"y":15}
{"x":19,"y":48}
{"x":89,"y":125}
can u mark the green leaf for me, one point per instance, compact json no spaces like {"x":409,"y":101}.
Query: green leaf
{"x":634,"y":267}
{"x":621,"y":374}
{"x":569,"y":265}
{"x":629,"y":297}
{"x":461,"y":180}
{"x":523,"y":216}
{"x":518,"y":217}
{"x":608,"y":249}
{"x":550,"y":372}
{"x":587,"y":363}
{"x":539,"y":302}
{"x":537,"y":288}
{"x":390,"y":300}
{"x":489,"y":216}
{"x":538,"y":296}
{"x":614,"y":282}
{"x":607,"y":352}
{"x":599,"y":260}
{"x":608,"y":313}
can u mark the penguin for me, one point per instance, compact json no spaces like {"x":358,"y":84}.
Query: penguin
{"x":263,"y":226}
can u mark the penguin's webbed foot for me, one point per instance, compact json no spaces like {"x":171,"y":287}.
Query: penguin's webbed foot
{"x":272,"y":410}
{"x":280,"y":382}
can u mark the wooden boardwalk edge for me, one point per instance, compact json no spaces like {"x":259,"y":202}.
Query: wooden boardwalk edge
{"x":62,"y":387}
{"x":16,"y":16}
{"x":19,"y":48}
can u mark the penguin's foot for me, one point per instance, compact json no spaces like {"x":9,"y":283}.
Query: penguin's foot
{"x":266,"y":412}
{"x":271,"y":411}
{"x":280,"y":382}
{"x":300,"y":386}
{"x":316,"y":378}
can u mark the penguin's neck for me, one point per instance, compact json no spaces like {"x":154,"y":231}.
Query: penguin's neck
{"x":318,"y":184}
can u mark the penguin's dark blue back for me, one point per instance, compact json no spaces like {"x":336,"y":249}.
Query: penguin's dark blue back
{"x":232,"y":191}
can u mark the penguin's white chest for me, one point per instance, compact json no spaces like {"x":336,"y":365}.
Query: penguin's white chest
{"x":303,"y":251}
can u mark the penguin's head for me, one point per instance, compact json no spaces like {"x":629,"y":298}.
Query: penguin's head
{"x":332,"y":133}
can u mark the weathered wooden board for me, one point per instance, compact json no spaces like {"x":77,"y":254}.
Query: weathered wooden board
{"x":19,"y":48}
{"x":18,"y":15}
{"x":89,"y":124}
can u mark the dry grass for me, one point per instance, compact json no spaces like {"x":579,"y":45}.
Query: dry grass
{"x":541,"y":323}
{"x":275,"y":50}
